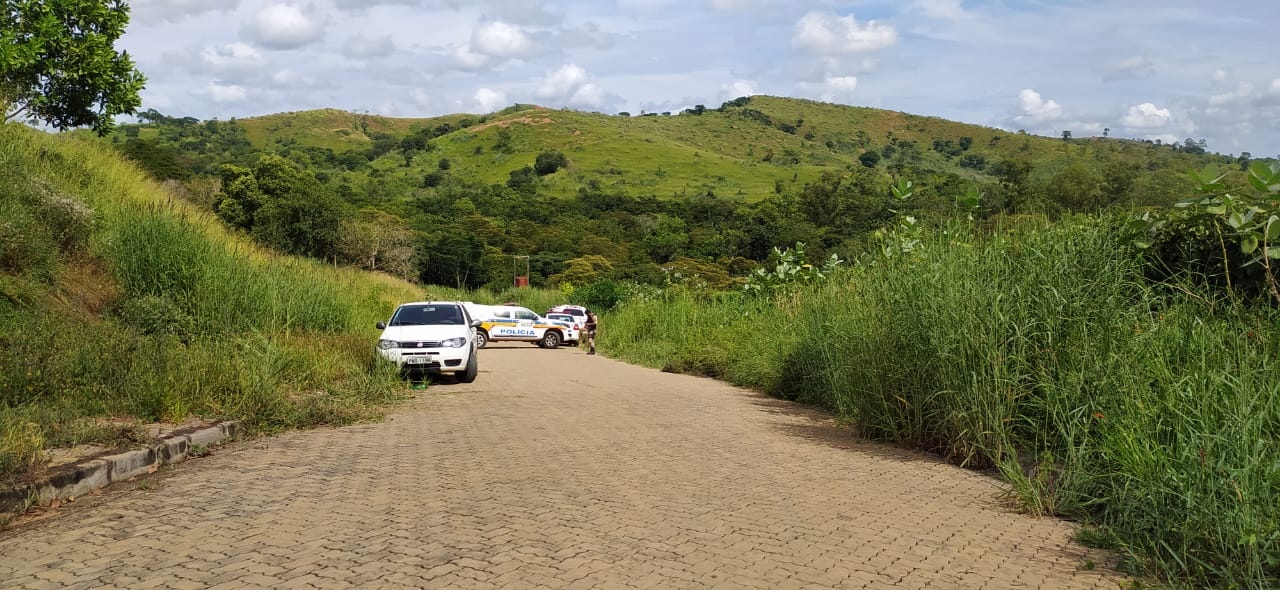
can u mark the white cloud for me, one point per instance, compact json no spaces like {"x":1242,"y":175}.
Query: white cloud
{"x":738,"y":88}
{"x":365,"y":5}
{"x":220,"y":93}
{"x":942,"y":9}
{"x":836,"y":89}
{"x":1033,"y":108}
{"x":499,"y":39}
{"x":1147,"y":116}
{"x":840,"y":87}
{"x":491,"y":43}
{"x":469,"y":59}
{"x":1134,"y":67}
{"x":361,"y":47}
{"x":282,"y":26}
{"x":236,"y":56}
{"x":572,"y":85}
{"x":489,"y":100}
{"x":154,"y":11}
{"x":828,"y":34}
{"x":1243,"y":92}
{"x":1221,"y":75}
{"x":563,"y":82}
{"x":285,"y":78}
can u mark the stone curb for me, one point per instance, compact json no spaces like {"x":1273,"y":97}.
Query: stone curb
{"x":86,"y":476}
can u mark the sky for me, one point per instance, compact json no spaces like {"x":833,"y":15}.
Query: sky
{"x":1148,"y":69}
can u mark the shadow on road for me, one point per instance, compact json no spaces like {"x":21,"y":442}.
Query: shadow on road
{"x":821,"y":427}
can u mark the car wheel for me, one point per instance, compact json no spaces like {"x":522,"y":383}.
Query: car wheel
{"x":482,"y":339}
{"x":551,"y":339}
{"x":468,"y":374}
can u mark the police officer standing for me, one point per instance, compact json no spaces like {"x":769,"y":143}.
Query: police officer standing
{"x":590,"y":327}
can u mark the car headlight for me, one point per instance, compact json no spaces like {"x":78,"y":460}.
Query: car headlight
{"x":386,"y":344}
{"x":454,"y":343}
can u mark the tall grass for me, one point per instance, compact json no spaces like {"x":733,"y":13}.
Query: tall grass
{"x":1152,"y":413}
{"x":120,"y":304}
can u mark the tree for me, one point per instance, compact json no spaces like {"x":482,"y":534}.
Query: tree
{"x":1077,"y":188}
{"x":58,"y":63}
{"x":1106,"y":132}
{"x":869,"y":158}
{"x":378,"y":241}
{"x":549,"y":162}
{"x":1015,"y":185}
{"x":820,"y":201}
{"x":281,"y":207}
{"x":454,"y":258}
{"x":583,"y":270}
{"x":1066,"y":136}
{"x":523,"y":180}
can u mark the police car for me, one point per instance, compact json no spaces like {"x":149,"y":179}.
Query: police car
{"x":513,"y":323}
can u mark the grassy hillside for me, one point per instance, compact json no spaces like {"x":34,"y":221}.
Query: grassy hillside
{"x":331,"y":128}
{"x":706,"y":193}
{"x":739,"y":150}
{"x":120,"y":305}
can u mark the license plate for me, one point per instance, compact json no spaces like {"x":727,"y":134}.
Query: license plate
{"x":417,"y":360}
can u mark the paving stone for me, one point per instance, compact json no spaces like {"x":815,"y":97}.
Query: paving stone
{"x":559,"y":470}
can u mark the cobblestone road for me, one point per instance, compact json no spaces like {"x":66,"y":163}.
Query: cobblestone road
{"x":559,"y":470}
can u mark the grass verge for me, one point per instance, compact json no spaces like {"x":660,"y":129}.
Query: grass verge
{"x":120,"y":304}
{"x":1150,"y":413}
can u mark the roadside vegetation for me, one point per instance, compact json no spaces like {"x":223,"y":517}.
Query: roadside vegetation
{"x":1122,"y":374}
{"x":120,"y":305}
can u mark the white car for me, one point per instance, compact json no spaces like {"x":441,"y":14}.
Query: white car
{"x":432,"y":337}
{"x":570,"y":321}
{"x":577,"y":312}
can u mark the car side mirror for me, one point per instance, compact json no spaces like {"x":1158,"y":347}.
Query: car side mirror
{"x":382,"y":326}
{"x":476,"y":323}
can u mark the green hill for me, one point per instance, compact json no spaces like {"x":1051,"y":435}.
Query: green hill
{"x":458,"y":195}
{"x":744,"y":148}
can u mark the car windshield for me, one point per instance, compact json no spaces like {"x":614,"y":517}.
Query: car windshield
{"x":577,"y":312}
{"x":428,"y":315}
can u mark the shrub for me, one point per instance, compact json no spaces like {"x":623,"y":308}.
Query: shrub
{"x":549,"y":162}
{"x":602,"y":295}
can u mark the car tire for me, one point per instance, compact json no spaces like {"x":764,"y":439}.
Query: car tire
{"x":482,"y":339}
{"x":468,"y":374}
{"x":550,"y":340}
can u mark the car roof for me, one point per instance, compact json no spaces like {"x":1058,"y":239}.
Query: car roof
{"x":431,"y":303}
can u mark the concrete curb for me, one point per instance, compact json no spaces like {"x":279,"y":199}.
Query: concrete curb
{"x":99,"y":472}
